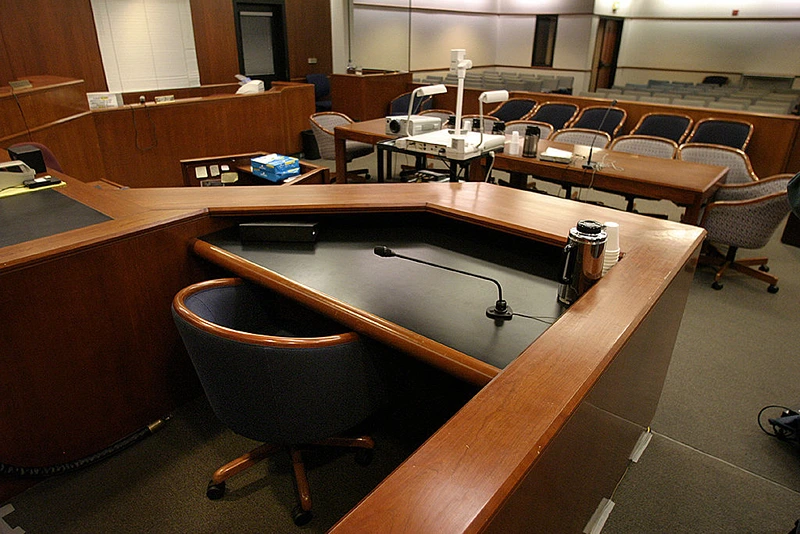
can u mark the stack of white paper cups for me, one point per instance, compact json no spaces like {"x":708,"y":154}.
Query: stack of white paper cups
{"x":612,"y":246}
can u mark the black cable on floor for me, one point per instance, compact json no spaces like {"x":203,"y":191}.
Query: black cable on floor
{"x":68,"y":467}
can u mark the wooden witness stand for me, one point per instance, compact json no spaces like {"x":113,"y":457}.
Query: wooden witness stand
{"x":575,"y":401}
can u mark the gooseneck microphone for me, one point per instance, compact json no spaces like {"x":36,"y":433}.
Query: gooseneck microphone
{"x":500,"y":310}
{"x":588,"y":164}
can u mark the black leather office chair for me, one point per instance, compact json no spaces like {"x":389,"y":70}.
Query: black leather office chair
{"x":558,"y":114}
{"x":322,"y":90}
{"x":276,"y":376}
{"x":672,"y":126}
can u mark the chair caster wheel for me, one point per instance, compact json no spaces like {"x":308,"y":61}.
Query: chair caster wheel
{"x":716,"y":285}
{"x":364,"y":456}
{"x":764,"y":268}
{"x":301,"y":517}
{"x":772,"y":289}
{"x":215,"y":491}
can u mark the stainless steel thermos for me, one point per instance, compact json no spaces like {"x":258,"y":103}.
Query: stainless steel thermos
{"x":531,"y":146}
{"x":582,"y":260}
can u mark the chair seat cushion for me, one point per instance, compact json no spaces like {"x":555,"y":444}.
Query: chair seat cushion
{"x":357,"y":149}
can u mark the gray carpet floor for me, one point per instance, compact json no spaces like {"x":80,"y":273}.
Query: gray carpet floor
{"x":708,"y":468}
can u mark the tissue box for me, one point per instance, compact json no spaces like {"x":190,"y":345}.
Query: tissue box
{"x":274,"y":167}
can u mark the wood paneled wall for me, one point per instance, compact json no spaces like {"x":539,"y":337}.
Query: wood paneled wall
{"x":142,"y":146}
{"x":55,"y":38}
{"x":308,"y":29}
{"x":59,"y":38}
{"x":215,"y":40}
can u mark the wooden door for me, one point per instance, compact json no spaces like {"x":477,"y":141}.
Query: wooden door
{"x":609,"y":33}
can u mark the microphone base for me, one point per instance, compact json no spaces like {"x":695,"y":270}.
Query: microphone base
{"x":590,"y":166}
{"x":504,"y":314}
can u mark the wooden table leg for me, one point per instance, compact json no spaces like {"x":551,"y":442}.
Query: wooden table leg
{"x":341,"y":158}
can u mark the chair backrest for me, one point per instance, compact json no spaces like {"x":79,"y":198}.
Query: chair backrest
{"x":268,"y":383}
{"x":746,"y":223}
{"x":322,"y":85}
{"x":443,"y":114}
{"x":399,"y":105}
{"x":513,"y":109}
{"x":716,"y":80}
{"x":582,"y":136}
{"x":739,"y":168}
{"x":488,"y":121}
{"x":748,"y":190}
{"x":47,"y":155}
{"x":645,"y":145}
{"x":322,"y":124}
{"x":545,"y":129}
{"x":726,"y":132}
{"x":557,"y":114}
{"x":673,"y":126}
{"x":594,"y":118}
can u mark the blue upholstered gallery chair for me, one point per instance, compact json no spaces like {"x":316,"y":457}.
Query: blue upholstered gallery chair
{"x":558,"y":114}
{"x":276,"y":373}
{"x":322,"y":90}
{"x":604,"y":118}
{"x":513,"y":109}
{"x":726,"y":132}
{"x":747,"y":218}
{"x":672,"y":126}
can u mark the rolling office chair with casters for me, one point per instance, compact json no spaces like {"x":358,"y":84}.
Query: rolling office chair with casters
{"x":672,"y":126}
{"x":582,"y":136}
{"x":322,"y":90}
{"x":747,"y":220}
{"x":645,"y":145}
{"x":557,"y":114}
{"x":725,"y":132}
{"x":289,"y":379}
{"x":740,"y":171}
{"x":488,"y":122}
{"x":604,"y":118}
{"x":545,"y":129}
{"x":322,"y":124}
{"x":513,"y":109}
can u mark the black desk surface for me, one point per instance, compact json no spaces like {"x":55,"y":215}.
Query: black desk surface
{"x":447,"y":307}
{"x":42,"y":214}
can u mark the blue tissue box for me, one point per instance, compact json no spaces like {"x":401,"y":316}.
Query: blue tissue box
{"x":274,"y":167}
